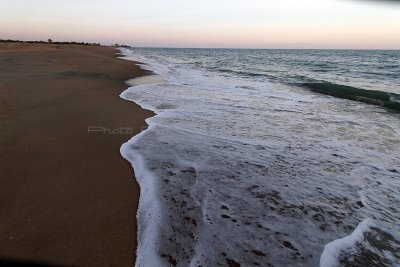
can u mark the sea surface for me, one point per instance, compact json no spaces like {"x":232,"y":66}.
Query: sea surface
{"x":245,"y":164}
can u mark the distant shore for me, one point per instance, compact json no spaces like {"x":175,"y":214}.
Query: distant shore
{"x":67,"y":197}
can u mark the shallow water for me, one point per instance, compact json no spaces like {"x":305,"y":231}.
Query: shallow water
{"x":239,"y":169}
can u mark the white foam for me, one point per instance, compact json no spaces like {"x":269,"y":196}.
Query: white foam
{"x":331,"y":253}
{"x":148,"y":214}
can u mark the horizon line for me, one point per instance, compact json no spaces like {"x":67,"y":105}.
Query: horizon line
{"x":269,"y":48}
{"x":199,"y":47}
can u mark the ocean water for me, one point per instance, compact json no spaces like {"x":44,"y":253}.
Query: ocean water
{"x":245,"y":165}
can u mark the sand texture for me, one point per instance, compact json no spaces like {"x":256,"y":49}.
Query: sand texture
{"x":67,"y":197}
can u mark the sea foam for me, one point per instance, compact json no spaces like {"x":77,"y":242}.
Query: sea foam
{"x":331,"y":254}
{"x":149,"y":209}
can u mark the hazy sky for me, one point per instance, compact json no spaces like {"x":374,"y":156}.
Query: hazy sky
{"x":207,"y":23}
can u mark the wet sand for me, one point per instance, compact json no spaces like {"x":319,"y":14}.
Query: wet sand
{"x":67,"y":197}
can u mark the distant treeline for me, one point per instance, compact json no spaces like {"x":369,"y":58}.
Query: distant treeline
{"x":49,"y":41}
{"x":46,"y":42}
{"x":121,"y":45}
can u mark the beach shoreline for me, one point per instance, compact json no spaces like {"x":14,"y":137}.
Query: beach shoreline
{"x":67,"y":197}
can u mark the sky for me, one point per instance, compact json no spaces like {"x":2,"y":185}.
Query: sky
{"x":365,"y":24}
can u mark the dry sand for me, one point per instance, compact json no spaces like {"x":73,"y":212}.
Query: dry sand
{"x":66,"y":197}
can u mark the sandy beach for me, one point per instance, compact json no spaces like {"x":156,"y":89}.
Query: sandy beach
{"x":67,"y":197}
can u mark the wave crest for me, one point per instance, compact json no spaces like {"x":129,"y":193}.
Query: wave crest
{"x":386,"y":99}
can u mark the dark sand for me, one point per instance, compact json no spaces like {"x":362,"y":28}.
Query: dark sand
{"x":66,"y":197}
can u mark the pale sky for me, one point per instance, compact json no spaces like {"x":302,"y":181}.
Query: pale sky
{"x":207,"y":23}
